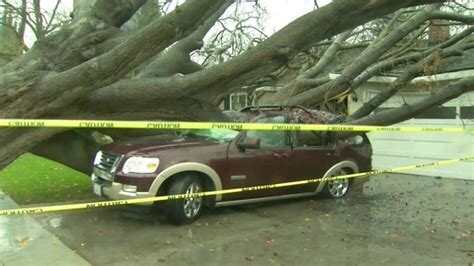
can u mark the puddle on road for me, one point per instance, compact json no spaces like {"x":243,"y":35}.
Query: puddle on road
{"x":55,"y":222}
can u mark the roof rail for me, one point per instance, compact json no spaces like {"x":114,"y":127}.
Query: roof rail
{"x":269,"y":108}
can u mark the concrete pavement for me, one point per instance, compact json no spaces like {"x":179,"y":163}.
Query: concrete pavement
{"x":23,"y":241}
{"x":394,"y":219}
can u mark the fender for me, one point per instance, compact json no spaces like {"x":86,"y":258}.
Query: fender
{"x":186,"y":167}
{"x":343,"y":164}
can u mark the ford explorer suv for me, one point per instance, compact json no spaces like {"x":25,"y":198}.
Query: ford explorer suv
{"x":215,"y":159}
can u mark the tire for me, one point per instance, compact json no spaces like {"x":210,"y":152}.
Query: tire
{"x":184,"y":211}
{"x":337,"y":188}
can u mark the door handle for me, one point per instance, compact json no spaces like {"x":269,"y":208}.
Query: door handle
{"x":280,"y":155}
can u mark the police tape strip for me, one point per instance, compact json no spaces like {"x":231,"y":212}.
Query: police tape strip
{"x":68,"y":207}
{"x":51,"y":123}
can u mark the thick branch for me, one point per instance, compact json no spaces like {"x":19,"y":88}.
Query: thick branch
{"x":74,"y":43}
{"x":263,"y":59}
{"x":327,"y":57}
{"x":368,"y":57}
{"x":59,"y":90}
{"x":177,"y":59}
{"x":452,"y":16}
{"x":408,"y":111}
{"x":392,"y":63}
{"x":406,"y":77}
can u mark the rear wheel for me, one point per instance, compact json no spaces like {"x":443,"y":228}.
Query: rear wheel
{"x":336,"y":188}
{"x":184,"y":211}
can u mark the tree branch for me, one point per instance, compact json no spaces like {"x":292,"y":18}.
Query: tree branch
{"x":212,"y":83}
{"x":177,"y":58}
{"x":408,"y":111}
{"x":409,"y":74}
{"x":327,"y":57}
{"x":368,"y":57}
{"x":66,"y":48}
{"x":53,"y":16}
{"x":452,"y":16}
{"x":59,"y":90}
{"x":392,"y":63}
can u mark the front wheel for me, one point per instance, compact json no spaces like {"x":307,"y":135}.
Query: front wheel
{"x":185,"y":211}
{"x":336,"y":188}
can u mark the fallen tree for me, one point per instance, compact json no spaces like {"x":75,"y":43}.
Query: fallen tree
{"x":93,"y":68}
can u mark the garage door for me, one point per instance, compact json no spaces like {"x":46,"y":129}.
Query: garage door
{"x":399,"y":149}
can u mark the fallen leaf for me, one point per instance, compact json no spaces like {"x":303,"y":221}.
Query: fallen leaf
{"x":22,"y":242}
{"x":272,"y":260}
{"x":269,"y":241}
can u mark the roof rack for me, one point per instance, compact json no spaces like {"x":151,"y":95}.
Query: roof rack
{"x":269,"y":108}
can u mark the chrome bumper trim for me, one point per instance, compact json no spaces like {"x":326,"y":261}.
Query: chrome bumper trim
{"x":114,"y":191}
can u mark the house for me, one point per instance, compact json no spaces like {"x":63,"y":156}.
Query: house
{"x":393,"y":149}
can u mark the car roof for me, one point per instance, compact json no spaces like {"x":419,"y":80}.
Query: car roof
{"x":296,"y":114}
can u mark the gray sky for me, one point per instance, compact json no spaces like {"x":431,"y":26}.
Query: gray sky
{"x":280,"y":12}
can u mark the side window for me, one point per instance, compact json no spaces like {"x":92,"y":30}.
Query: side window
{"x":270,"y":139}
{"x":314,"y":139}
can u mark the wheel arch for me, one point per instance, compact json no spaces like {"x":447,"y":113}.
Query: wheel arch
{"x":346,"y":164}
{"x":209,"y":176}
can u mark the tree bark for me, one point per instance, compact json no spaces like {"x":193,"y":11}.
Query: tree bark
{"x":410,"y":73}
{"x":368,"y":57}
{"x":37,"y":86}
{"x":408,"y":111}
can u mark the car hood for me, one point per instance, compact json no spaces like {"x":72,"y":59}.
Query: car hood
{"x":152,"y":144}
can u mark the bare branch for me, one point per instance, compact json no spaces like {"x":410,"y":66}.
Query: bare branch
{"x":53,"y":17}
{"x":453,"y":16}
{"x":327,"y":57}
{"x":368,"y":57}
{"x":392,"y":63}
{"x":409,"y":74}
{"x":408,"y":111}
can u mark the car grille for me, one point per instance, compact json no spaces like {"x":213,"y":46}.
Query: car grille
{"x":109,"y":161}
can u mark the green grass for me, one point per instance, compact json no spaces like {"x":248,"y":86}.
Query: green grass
{"x":32,"y":179}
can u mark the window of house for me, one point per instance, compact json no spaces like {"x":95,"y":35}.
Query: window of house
{"x":238,"y":100}
{"x":467,"y":112}
{"x":440,"y":112}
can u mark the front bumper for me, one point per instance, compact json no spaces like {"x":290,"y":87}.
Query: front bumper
{"x":115,"y":190}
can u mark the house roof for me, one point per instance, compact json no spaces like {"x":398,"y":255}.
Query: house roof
{"x":451,"y":68}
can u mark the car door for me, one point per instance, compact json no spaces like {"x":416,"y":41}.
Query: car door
{"x":314,"y":152}
{"x":268,"y":164}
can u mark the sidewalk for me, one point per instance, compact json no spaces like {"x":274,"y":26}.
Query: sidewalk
{"x":23,"y":241}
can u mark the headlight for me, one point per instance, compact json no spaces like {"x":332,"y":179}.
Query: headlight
{"x":140,"y":165}
{"x":97,"y":158}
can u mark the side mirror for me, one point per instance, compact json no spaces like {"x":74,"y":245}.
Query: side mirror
{"x":354,"y":140}
{"x":249,"y":143}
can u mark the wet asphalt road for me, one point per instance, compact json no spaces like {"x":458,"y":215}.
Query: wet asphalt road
{"x":394,"y":219}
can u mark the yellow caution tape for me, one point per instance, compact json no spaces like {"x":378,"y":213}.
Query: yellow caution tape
{"x":68,"y":207}
{"x":50,"y":123}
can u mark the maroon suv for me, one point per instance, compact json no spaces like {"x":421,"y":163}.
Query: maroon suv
{"x":215,"y":159}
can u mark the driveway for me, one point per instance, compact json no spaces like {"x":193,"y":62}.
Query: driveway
{"x":396,"y":219}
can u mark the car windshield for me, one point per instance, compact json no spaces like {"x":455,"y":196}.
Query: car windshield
{"x":221,"y":135}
